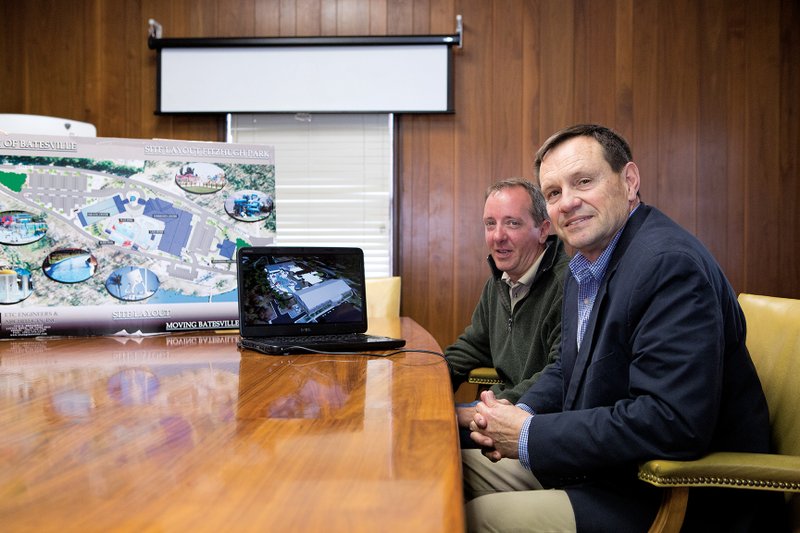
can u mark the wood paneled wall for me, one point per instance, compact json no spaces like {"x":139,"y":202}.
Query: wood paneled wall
{"x":706,"y":91}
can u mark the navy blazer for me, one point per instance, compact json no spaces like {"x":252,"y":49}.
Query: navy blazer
{"x":662,"y":372}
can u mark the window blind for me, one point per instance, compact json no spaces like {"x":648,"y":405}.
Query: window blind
{"x":334,"y":183}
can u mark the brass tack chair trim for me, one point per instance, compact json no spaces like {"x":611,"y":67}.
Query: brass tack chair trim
{"x":484,"y":376}
{"x":480,"y":381}
{"x":718,"y":482}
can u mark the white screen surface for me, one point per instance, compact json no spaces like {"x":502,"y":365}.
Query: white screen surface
{"x":278,"y":79}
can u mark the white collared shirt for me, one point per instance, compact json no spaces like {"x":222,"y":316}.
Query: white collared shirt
{"x":519,"y":289}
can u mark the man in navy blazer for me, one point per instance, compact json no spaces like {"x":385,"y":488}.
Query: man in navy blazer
{"x":653,"y":364}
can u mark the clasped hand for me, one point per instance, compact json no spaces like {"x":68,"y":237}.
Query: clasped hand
{"x":496,"y":427}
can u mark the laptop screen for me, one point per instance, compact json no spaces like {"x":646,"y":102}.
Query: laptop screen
{"x":301,"y":291}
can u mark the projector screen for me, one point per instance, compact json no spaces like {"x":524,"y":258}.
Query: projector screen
{"x":393,"y":78}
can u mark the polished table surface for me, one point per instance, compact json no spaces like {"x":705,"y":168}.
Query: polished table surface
{"x":188,"y":433}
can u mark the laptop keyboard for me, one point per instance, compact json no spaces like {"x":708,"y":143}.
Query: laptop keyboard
{"x":318,"y":339}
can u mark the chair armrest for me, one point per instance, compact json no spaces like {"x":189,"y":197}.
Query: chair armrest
{"x":761,"y":471}
{"x":484,"y":376}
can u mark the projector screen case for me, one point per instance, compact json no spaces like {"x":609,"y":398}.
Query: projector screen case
{"x":394,"y":74}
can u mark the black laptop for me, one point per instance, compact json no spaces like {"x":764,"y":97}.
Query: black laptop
{"x":304,"y":299}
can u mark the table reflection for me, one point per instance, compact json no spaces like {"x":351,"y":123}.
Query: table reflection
{"x":124,"y":400}
{"x":188,"y":433}
{"x":284,"y":388}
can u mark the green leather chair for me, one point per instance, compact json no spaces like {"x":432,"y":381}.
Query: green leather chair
{"x":383,"y":297}
{"x":773,"y":339}
{"x":483,"y":376}
{"x":478,"y":380}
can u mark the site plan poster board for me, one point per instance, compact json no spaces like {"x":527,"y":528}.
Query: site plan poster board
{"x":107,"y":236}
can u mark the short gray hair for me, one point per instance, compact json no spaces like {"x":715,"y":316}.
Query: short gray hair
{"x":538,"y":204}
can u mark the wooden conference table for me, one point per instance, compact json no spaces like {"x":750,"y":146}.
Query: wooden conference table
{"x":186,"y":433}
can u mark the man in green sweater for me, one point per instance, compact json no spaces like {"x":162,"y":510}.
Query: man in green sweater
{"x":516,"y":326}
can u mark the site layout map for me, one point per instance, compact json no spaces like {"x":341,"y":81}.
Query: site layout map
{"x":103,"y":236}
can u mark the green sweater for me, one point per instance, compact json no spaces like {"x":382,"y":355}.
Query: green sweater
{"x":517,"y":345}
